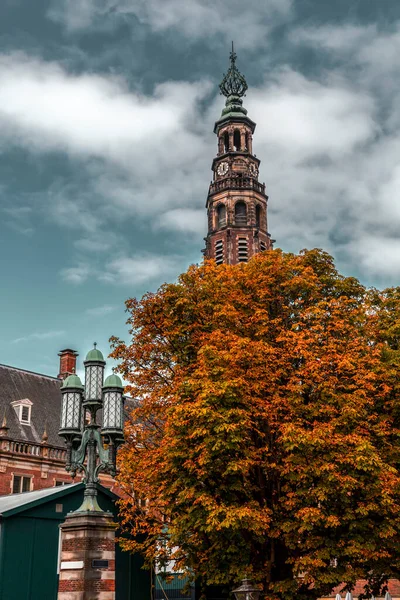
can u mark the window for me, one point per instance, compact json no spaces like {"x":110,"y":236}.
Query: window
{"x":236,"y":140}
{"x":240,"y":213}
{"x":25,"y":414}
{"x":221,"y":213}
{"x":23,"y":410}
{"x":242,"y":250}
{"x":258,"y":215}
{"x":226,"y":142}
{"x":263,"y":246}
{"x":21,"y":484}
{"x":219,"y":252}
{"x":247,"y":141}
{"x":59,"y":483}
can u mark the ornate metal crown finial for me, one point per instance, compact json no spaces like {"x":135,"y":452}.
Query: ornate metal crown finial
{"x":233,"y":83}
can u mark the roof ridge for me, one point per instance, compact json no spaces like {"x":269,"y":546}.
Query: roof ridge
{"x":30,"y":372}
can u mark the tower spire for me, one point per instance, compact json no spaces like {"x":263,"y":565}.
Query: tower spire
{"x":233,"y":82}
{"x":237,"y":202}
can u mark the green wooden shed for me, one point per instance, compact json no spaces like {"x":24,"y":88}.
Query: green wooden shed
{"x":29,"y":545}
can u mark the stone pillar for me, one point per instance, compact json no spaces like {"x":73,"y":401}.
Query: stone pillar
{"x":221,"y":144}
{"x":242,"y":140}
{"x":87,"y":566}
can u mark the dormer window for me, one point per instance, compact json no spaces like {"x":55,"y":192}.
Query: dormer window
{"x":23,"y":409}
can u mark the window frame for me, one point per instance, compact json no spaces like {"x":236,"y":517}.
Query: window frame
{"x":19,"y":406}
{"x":22,"y":480}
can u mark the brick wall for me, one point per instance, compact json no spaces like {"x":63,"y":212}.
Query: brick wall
{"x":44,"y":464}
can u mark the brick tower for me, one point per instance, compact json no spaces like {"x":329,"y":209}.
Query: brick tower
{"x":236,"y":202}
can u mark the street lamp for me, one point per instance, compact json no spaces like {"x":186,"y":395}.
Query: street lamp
{"x":85,"y":438}
{"x":247,"y":591}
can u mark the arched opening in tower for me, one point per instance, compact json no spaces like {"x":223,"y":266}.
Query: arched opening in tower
{"x":240,"y":213}
{"x":236,"y":140}
{"x":221,"y":214}
{"x":226,"y":142}
{"x":258,"y":216}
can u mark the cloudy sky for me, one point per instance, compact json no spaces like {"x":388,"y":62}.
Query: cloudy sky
{"x":106,"y":139}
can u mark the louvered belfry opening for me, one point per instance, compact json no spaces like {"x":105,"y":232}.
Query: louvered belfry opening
{"x":219,"y":252}
{"x":243,"y":251}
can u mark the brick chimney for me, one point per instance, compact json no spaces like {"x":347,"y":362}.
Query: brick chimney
{"x":67,"y":362}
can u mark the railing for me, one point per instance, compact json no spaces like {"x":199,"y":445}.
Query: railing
{"x":40,"y":450}
{"x":236,"y":183}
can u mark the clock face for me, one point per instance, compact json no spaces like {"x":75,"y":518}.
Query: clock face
{"x":223,"y":168}
{"x":253,"y":170}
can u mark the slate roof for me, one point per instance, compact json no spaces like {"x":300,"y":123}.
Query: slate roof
{"x":44,"y":393}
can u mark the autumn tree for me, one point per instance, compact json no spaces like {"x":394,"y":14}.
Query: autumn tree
{"x":265,"y":441}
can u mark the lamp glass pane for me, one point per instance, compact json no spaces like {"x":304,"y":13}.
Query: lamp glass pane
{"x":71,"y":411}
{"x":112,"y":410}
{"x":93,"y":382}
{"x":63,"y":410}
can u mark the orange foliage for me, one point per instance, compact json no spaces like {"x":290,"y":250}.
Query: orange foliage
{"x":267,"y":432}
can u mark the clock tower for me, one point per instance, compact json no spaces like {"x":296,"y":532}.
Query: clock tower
{"x":236,"y":202}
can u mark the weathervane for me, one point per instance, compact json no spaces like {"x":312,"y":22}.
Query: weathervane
{"x":233,"y":83}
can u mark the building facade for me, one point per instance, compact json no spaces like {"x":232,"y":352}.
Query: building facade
{"x":32,"y":454}
{"x":237,"y":201}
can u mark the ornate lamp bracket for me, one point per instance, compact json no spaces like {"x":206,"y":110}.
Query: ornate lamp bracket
{"x":86,"y":450}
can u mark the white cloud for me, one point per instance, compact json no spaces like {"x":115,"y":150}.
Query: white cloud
{"x":379,"y":256}
{"x":77,"y":274}
{"x":100,"y":311}
{"x":124,"y":139}
{"x":45,"y":108}
{"x":309,"y":118}
{"x":332,"y":37}
{"x":248,"y":22}
{"x":141,"y":268}
{"x":43,"y":335}
{"x":19,"y":219}
{"x":185,"y":220}
{"x":329,"y":155}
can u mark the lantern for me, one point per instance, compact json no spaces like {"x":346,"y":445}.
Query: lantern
{"x":94,"y":371}
{"x":247,"y":591}
{"x":71,"y":406}
{"x":113,"y":407}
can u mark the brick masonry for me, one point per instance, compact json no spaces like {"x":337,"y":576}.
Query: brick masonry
{"x":84,"y":537}
{"x":233,"y":235}
{"x":44,"y":464}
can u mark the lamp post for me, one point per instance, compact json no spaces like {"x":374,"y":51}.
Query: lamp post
{"x":247,"y":591}
{"x":84,"y":438}
{"x":87,"y":565}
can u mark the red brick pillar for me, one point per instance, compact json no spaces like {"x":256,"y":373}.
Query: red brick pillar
{"x":87,"y":567}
